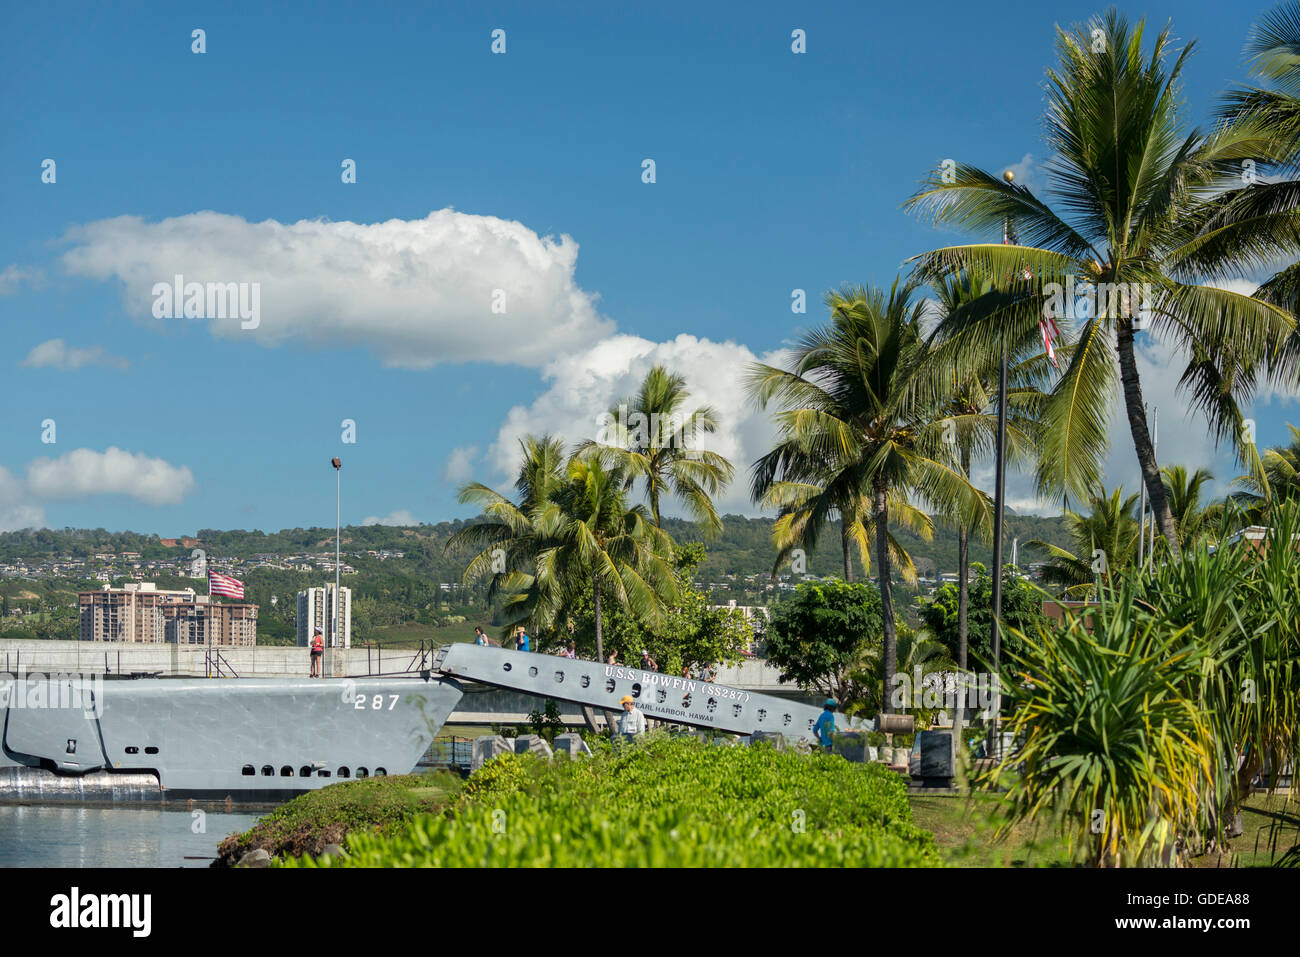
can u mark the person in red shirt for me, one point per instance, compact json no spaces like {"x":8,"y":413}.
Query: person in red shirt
{"x":317,"y":652}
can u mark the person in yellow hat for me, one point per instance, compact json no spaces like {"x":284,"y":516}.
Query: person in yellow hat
{"x":632,"y":722}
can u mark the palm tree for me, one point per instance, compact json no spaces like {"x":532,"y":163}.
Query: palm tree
{"x":1193,"y":519}
{"x":1266,"y":193}
{"x":595,"y":542}
{"x":659,"y":444}
{"x":1277,"y":481}
{"x":572,"y":533}
{"x":855,"y":428}
{"x":1137,"y":235}
{"x":971,"y":410}
{"x":506,"y":542}
{"x":1111,"y":526}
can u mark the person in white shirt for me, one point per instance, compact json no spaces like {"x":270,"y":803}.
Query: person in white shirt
{"x":632,"y":723}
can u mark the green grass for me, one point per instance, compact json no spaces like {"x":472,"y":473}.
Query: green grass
{"x":1272,"y":832}
{"x":373,"y":806}
{"x":963,"y":828}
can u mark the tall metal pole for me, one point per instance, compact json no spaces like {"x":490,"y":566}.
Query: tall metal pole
{"x":338,"y":534}
{"x":999,"y":502}
{"x":1142,"y":523}
{"x":1155,"y":450}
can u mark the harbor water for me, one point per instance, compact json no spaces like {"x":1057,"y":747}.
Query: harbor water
{"x":77,"y":836}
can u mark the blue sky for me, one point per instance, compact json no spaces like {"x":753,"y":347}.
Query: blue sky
{"x":475,"y":171}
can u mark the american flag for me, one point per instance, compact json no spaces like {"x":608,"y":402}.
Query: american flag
{"x":1046,"y":325}
{"x":225,"y":585}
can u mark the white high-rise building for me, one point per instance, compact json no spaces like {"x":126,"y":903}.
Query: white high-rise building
{"x":316,"y":610}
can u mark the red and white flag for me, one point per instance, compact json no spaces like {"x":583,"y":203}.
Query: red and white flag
{"x":225,"y":585}
{"x":1047,"y":325}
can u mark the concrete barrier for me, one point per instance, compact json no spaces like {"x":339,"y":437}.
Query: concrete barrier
{"x":533,"y":744}
{"x":488,"y":747}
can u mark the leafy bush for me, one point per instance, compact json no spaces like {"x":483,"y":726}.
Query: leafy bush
{"x":1116,"y":744}
{"x":310,"y":821}
{"x":668,"y":801}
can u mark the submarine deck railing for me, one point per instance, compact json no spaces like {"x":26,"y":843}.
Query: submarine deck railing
{"x":422,"y":658}
{"x":214,"y":660}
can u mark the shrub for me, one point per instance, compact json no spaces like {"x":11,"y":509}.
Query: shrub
{"x":669,"y":801}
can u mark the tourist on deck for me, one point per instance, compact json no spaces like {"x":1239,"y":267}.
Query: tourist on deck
{"x":648,"y":663}
{"x":479,"y":637}
{"x":570,"y":652}
{"x":632,"y":722}
{"x":611,"y":658}
{"x":317,"y":652}
{"x":521,"y":639}
{"x":825,"y":726}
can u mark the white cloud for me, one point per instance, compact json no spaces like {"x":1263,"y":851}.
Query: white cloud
{"x":56,"y":354}
{"x":11,"y":277}
{"x":85,"y":472}
{"x":398,"y":517}
{"x":586,"y":384}
{"x":416,"y":292}
{"x":1029,"y":174}
{"x":17,"y":510}
{"x":460,"y":464}
{"x":82,"y":474}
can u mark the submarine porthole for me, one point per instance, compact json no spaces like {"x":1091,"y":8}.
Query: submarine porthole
{"x":304,"y":771}
{"x":380,"y":773}
{"x":248,"y":770}
{"x":150,"y":750}
{"x":268,"y":771}
{"x":344,"y":773}
{"x":286,"y":772}
{"x":133,"y":750}
{"x":362,"y":773}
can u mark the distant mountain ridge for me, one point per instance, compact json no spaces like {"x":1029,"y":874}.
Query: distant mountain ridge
{"x":744,"y":548}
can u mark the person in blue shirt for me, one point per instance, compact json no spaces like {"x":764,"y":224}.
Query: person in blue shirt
{"x":825,"y":725}
{"x":521,"y":639}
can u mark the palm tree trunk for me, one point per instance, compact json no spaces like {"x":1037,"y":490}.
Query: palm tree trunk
{"x":600,"y":647}
{"x":844,"y":543}
{"x":963,"y":576}
{"x":886,"y":596}
{"x":1137,"y":422}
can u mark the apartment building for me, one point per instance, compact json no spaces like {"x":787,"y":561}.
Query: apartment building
{"x":316,"y":610}
{"x":205,"y":622}
{"x":142,"y":612}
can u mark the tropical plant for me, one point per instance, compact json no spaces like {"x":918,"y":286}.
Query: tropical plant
{"x":659,"y":445}
{"x":1277,"y":481}
{"x":1113,"y":741}
{"x":914,"y":686}
{"x":817,"y":636}
{"x":1265,"y":195}
{"x":1105,"y":542}
{"x":578,"y":537}
{"x":1195,"y":521}
{"x":855,"y":427}
{"x":1140,"y":237}
{"x":690,"y":634}
{"x":971,"y":409}
{"x":1022,"y":605}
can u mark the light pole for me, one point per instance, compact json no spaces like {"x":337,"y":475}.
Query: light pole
{"x":338,"y":532}
{"x":999,"y":502}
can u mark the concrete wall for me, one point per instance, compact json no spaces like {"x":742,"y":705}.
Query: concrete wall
{"x":268,"y":661}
